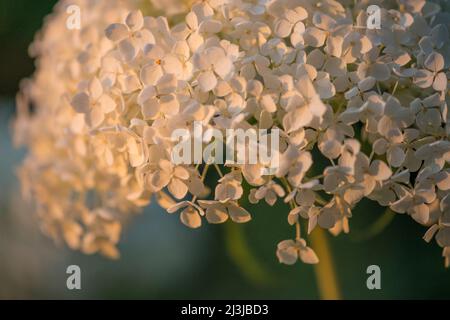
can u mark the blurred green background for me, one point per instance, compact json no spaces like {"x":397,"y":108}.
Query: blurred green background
{"x":163,"y":259}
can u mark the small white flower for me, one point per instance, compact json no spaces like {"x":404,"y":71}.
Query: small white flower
{"x":289,"y":251}
{"x":130,"y":36}
{"x":94,"y":103}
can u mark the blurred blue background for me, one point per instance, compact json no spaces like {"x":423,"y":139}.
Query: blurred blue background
{"x":160,"y":258}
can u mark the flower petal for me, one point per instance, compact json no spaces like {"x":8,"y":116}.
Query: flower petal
{"x":207,"y":81}
{"x":116,"y":32}
{"x":81,"y":103}
{"x":190,"y":218}
{"x":238,"y":214}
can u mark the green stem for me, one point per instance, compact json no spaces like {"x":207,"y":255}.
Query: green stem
{"x":324,"y":270}
{"x":376,"y":228}
{"x":242,"y":256}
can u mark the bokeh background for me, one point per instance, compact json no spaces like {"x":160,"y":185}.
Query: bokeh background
{"x":161,"y":259}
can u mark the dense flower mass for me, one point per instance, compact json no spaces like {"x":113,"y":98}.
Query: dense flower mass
{"x":362,"y":112}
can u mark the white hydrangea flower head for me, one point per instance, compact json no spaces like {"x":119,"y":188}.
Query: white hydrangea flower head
{"x":370,"y":103}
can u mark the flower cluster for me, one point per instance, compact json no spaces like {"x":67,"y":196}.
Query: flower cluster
{"x":363,"y":114}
